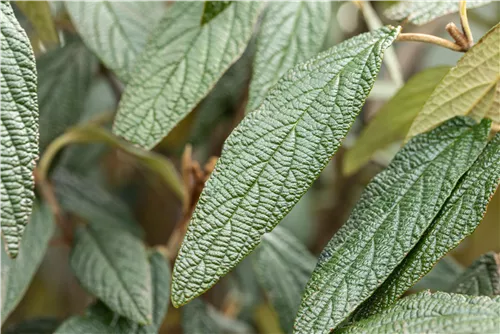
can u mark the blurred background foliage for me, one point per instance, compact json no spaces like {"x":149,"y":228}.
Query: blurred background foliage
{"x":101,"y":184}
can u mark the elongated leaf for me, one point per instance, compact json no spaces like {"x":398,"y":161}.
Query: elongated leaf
{"x":434,"y":313}
{"x":19,"y":133}
{"x":464,"y":87}
{"x":393,"y":120}
{"x":82,"y":325}
{"x":112,"y":264}
{"x":290,"y":33}
{"x":17,"y":273}
{"x":423,"y":12}
{"x":273,"y":157}
{"x":64,"y":76}
{"x":393,"y":212}
{"x":40,"y":17}
{"x":196,"y":318}
{"x":116,"y":32}
{"x":482,"y":278}
{"x":283,"y":266}
{"x":488,"y":106}
{"x":180,"y":66}
{"x":213,"y":8}
{"x":458,"y":218}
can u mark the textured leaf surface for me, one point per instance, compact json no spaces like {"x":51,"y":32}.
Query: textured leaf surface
{"x":434,"y":313}
{"x":438,"y":279}
{"x":392,"y":122}
{"x":213,"y":8}
{"x":283,"y":266}
{"x":180,"y":66}
{"x":459,"y":217}
{"x":116,"y":32}
{"x":112,"y":264}
{"x":290,"y":33}
{"x":17,"y":273}
{"x":482,"y":278}
{"x":391,"y":215}
{"x":19,"y":133}
{"x":465,"y":86}
{"x":423,"y":12}
{"x":40,"y":17}
{"x":273,"y":156}
{"x":64,"y":76}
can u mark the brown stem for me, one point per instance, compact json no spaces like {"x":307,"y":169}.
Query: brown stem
{"x":457,"y":35}
{"x":415,"y":37}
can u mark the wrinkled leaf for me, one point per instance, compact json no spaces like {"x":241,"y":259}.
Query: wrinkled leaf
{"x":116,"y":32}
{"x":213,"y":8}
{"x":423,"y":12}
{"x":434,"y":313}
{"x":290,"y":33}
{"x":283,"y":266}
{"x":464,"y":87}
{"x":273,"y":156}
{"x":482,"y":278}
{"x":180,"y":66}
{"x":112,"y":264}
{"x":17,"y":273}
{"x":459,"y":217}
{"x":392,"y":214}
{"x":19,"y":133}
{"x":392,"y":122}
{"x":40,"y":17}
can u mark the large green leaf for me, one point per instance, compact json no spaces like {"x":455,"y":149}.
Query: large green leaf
{"x":113,"y":265}
{"x":116,"y":32}
{"x":196,"y":318}
{"x":180,"y":66}
{"x":272,"y":158}
{"x":17,"y":274}
{"x":40,"y":17}
{"x":283,"y":266}
{"x":482,"y":278}
{"x":290,"y":33}
{"x":393,"y":120}
{"x":64,"y":76}
{"x":464,"y":87}
{"x":459,"y":217}
{"x":434,"y":313}
{"x":213,"y":8}
{"x":423,"y":12}
{"x":392,"y":214}
{"x":19,"y":133}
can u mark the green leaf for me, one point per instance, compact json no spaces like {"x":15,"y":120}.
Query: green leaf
{"x":197,"y":318}
{"x":19,"y":134}
{"x":463,"y":88}
{"x":482,"y":278}
{"x":392,"y":214}
{"x":423,"y":12}
{"x":41,"y":325}
{"x":64,"y":76}
{"x":290,"y":33}
{"x":392,"y":122}
{"x":116,"y":32}
{"x":17,"y":274}
{"x":445,"y":271}
{"x":273,"y":156}
{"x":112,"y":264}
{"x":180,"y":65}
{"x":213,"y":8}
{"x":40,"y":17}
{"x":434,"y":313}
{"x":283,"y":266}
{"x":458,"y":218}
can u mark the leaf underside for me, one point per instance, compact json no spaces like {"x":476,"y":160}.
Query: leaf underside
{"x":273,"y":156}
{"x":482,"y":278}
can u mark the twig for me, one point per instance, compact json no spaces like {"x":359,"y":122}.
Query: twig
{"x":464,"y":21}
{"x":415,"y":37}
{"x":457,"y":35}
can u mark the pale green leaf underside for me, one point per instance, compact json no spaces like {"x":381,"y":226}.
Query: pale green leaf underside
{"x":112,"y":264}
{"x":213,"y":8}
{"x":283,"y":266}
{"x":463,"y":88}
{"x":180,"y":65}
{"x":290,"y":33}
{"x":482,"y":278}
{"x":17,"y":273}
{"x":273,"y":156}
{"x":434,"y":313}
{"x":116,"y":32}
{"x":391,"y":215}
{"x":19,"y":133}
{"x":392,"y":122}
{"x":424,"y":11}
{"x":459,"y":217}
